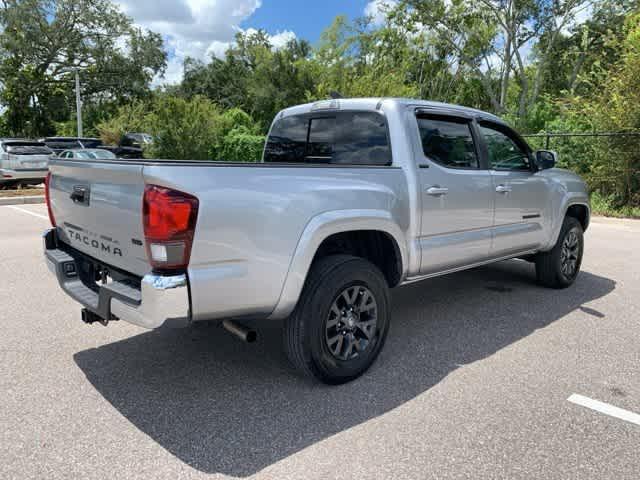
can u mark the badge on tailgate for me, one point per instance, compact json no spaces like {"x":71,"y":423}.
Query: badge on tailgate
{"x":100,"y":243}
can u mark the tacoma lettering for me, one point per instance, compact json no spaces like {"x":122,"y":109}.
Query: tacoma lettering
{"x":104,"y":247}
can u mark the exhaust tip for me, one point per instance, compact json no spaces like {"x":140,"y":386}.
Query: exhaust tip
{"x":252,"y":336}
{"x":245,"y":334}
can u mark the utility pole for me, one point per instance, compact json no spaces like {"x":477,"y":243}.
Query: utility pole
{"x":78,"y":104}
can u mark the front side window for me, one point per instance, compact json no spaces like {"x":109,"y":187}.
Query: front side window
{"x":505,"y":153}
{"x":448,"y":142}
{"x":345,"y":138}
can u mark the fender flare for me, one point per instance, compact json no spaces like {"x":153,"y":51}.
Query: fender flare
{"x":570,"y":202}
{"x":322,"y":227}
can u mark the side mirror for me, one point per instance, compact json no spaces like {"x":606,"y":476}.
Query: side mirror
{"x":546,"y":159}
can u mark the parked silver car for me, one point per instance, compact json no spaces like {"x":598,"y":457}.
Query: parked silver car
{"x":353,"y":198}
{"x":23,"y":162}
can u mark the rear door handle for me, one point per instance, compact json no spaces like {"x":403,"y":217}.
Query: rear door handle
{"x":437,"y":191}
{"x":504,"y":189}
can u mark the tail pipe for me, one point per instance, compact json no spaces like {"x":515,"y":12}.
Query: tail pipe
{"x":243,"y":333}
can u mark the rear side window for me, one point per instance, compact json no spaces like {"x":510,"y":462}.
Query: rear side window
{"x":361,"y":139}
{"x":448,"y":142}
{"x":345,"y":138}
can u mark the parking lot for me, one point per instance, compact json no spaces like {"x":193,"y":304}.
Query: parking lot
{"x":474,"y":382}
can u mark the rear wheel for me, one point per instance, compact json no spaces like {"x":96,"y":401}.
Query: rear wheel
{"x":341,"y":321}
{"x":559,"y":267}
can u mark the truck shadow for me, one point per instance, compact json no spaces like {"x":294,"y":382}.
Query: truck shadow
{"x":225,"y":407}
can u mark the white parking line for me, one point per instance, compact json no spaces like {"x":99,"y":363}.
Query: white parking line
{"x":605,"y":408}
{"x":28,"y":212}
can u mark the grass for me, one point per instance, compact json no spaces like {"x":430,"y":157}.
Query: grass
{"x":22,"y":192}
{"x":605,"y":206}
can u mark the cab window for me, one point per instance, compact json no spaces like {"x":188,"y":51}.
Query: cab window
{"x":338,"y":138}
{"x":505,"y":152}
{"x":448,"y":141}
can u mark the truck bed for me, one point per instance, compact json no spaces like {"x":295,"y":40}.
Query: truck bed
{"x":251,"y":218}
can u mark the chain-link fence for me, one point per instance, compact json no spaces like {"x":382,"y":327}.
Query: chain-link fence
{"x":609,"y":161}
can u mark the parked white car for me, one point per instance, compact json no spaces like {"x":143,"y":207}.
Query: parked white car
{"x":88,"y":154}
{"x":23,"y":162}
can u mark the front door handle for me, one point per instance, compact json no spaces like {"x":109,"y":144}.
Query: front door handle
{"x":504,"y":189}
{"x":437,"y":191}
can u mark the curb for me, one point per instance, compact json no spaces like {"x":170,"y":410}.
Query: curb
{"x":21,"y":200}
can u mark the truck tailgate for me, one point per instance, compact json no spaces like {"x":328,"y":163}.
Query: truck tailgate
{"x":98,"y":210}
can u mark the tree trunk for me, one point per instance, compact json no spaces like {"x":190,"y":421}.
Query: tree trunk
{"x":504,"y":86}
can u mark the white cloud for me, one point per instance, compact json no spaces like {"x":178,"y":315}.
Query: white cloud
{"x":195,"y":28}
{"x":377,"y":10}
{"x":280,"y":39}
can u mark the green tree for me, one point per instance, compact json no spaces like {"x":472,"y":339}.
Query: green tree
{"x":253,"y":76}
{"x":43,"y":43}
{"x":489,"y":37}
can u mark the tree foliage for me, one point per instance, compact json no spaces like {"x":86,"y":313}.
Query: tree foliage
{"x":43,"y":43}
{"x":194,"y":129}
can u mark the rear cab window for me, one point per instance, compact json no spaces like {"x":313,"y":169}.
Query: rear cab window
{"x":336,"y":138}
{"x":448,"y":141}
{"x":26,"y":148}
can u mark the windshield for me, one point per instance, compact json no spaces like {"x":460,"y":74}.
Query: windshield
{"x":93,"y":154}
{"x":91,"y":142}
{"x":103,"y":154}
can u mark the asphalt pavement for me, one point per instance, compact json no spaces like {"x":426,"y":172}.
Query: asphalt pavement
{"x":474,"y":382}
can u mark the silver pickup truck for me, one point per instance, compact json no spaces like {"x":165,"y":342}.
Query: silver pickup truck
{"x":353,"y":198}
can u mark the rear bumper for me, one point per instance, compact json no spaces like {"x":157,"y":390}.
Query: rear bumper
{"x":158,"y":300}
{"x":8,"y":175}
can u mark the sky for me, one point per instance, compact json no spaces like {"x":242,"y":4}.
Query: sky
{"x":201,"y":28}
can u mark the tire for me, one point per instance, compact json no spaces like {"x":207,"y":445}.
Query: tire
{"x":551,"y":268}
{"x":311,"y":333}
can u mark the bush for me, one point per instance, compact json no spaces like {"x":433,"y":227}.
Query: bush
{"x":188,"y":129}
{"x":237,"y":118}
{"x":183,"y":129}
{"x":606,"y":206}
{"x":240,"y":145}
{"x":130,"y":118}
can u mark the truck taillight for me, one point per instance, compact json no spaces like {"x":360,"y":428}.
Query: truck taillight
{"x":169,"y":219}
{"x":47,"y":197}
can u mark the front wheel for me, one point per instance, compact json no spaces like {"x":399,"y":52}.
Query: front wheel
{"x":341,"y":321}
{"x":559,"y":267}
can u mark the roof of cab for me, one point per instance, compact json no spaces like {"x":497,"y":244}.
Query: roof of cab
{"x":377,"y":103}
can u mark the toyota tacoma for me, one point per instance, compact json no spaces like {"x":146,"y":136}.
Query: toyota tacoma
{"x":353,"y":197}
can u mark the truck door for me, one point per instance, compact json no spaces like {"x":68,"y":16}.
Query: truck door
{"x":521,"y":196}
{"x":456,"y":194}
